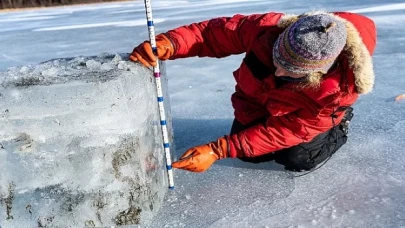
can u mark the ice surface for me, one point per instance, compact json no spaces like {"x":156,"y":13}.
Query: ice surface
{"x":93,"y":25}
{"x":361,"y":186}
{"x":80,"y":144}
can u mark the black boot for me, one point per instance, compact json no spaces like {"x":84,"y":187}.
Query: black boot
{"x":346,"y":120}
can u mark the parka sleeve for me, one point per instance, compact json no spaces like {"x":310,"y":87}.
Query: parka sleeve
{"x":218,"y":37}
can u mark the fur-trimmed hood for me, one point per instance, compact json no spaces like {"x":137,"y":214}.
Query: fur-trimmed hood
{"x":357,"y":53}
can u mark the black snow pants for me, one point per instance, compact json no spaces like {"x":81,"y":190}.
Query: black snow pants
{"x":305,"y":156}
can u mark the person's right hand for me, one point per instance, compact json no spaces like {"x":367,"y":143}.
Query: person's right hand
{"x":200,"y":158}
{"x":144,"y":54}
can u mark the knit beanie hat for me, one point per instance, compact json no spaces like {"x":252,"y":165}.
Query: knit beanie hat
{"x":310,"y":44}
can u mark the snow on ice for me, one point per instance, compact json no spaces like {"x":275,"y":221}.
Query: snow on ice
{"x":361,"y":186}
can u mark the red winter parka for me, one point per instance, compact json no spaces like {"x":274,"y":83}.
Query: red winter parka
{"x":294,"y":114}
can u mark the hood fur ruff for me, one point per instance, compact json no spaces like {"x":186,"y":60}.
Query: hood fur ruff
{"x":358,"y":56}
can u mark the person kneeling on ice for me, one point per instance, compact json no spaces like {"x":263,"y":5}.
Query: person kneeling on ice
{"x":295,"y":86}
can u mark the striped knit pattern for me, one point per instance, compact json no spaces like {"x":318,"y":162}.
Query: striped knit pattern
{"x":311,"y":44}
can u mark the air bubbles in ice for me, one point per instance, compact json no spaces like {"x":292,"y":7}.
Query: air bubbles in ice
{"x":107,"y":67}
{"x":92,"y":64}
{"x":50,"y":72}
{"x":122,"y":65}
{"x":116,"y":59}
{"x":63,"y":70}
{"x":24,"y":69}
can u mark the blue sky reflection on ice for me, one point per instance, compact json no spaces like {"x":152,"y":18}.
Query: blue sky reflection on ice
{"x":361,"y":186}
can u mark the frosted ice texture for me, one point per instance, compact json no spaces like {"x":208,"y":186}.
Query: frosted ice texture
{"x":80,"y":144}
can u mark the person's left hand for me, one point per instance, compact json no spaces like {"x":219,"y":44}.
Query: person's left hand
{"x":200,"y":158}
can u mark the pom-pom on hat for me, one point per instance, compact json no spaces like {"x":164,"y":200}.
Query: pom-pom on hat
{"x":311,"y":44}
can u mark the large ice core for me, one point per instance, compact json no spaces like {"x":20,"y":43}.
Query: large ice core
{"x":80,"y":144}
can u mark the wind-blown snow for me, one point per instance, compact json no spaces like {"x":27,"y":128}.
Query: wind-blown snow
{"x":80,"y":26}
{"x":28,"y":18}
{"x":361,"y":186}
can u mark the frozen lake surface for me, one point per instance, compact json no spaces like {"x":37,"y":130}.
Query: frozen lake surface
{"x":361,"y":186}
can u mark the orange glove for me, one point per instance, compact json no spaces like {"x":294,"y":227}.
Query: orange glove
{"x":200,"y":158}
{"x":144,"y":54}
